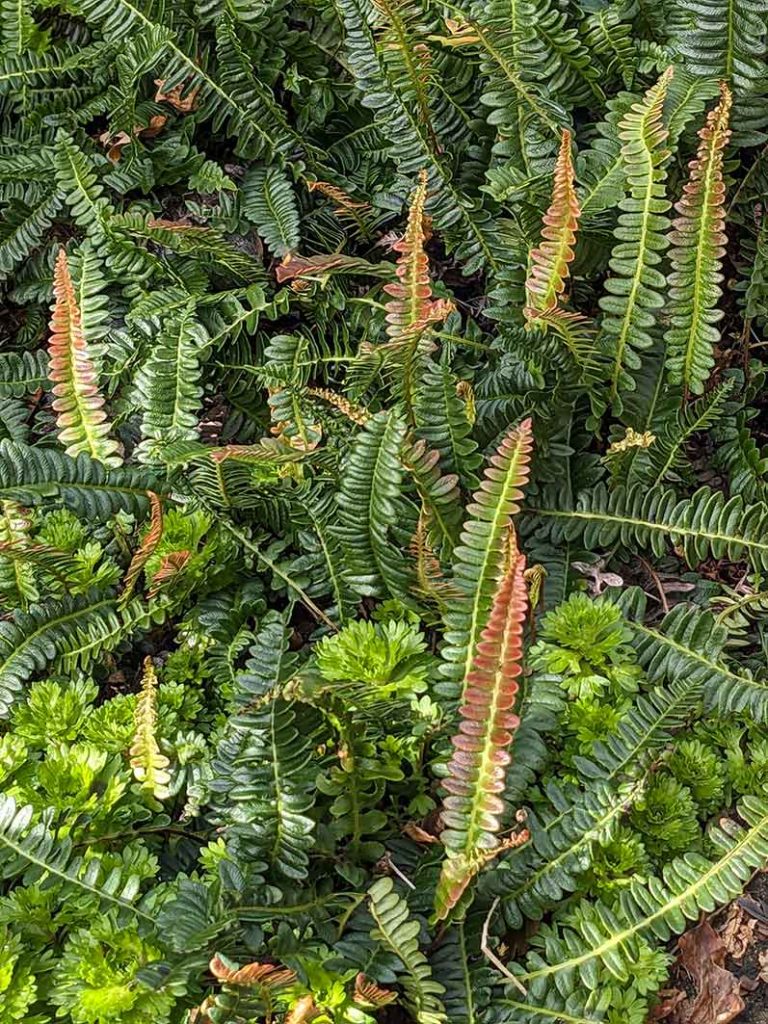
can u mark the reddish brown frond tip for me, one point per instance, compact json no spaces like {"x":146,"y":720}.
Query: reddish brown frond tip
{"x":476,"y":772}
{"x":148,"y":544}
{"x":78,"y":403}
{"x":549,"y":262}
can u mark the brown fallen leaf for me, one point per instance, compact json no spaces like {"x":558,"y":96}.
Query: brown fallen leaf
{"x":180,"y":100}
{"x":717,"y":998}
{"x":762,"y":959}
{"x":114,"y":144}
{"x":737,"y":932}
{"x":418,"y":834}
{"x":669,"y":1000}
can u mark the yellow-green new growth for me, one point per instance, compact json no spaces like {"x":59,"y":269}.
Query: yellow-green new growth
{"x":150,"y":766}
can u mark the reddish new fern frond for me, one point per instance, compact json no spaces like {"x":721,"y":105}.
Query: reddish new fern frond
{"x":78,"y":403}
{"x":370,"y":995}
{"x":356,"y":413}
{"x":698,"y":245}
{"x":170,"y":567}
{"x":429,"y":580}
{"x":149,"y":542}
{"x":476,"y":772}
{"x":345,"y":205}
{"x":549,"y":263}
{"x":255,"y":975}
{"x":412,"y":307}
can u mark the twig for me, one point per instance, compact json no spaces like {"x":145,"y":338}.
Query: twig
{"x":399,"y":873}
{"x":654,"y":576}
{"x":488,"y":952}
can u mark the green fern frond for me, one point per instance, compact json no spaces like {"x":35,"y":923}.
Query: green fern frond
{"x":168,"y":383}
{"x":371,"y":505}
{"x":31,"y":476}
{"x":698,"y":246}
{"x":22,"y":373}
{"x":74,"y":629}
{"x":703,"y":526}
{"x":37,"y":853}
{"x":269,"y":202}
{"x":264,"y":769}
{"x":635,"y":287}
{"x":596,"y":934}
{"x":399,"y":933}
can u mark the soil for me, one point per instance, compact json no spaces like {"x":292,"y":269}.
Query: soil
{"x":756,"y":903}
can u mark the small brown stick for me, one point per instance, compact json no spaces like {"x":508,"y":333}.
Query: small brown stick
{"x":654,"y":576}
{"x":488,"y":952}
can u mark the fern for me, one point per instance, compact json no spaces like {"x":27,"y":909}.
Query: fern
{"x":373,"y":478}
{"x":263,"y":769}
{"x":598,"y":934}
{"x":478,"y":558}
{"x":704,"y":525}
{"x":22,"y":373}
{"x":146,"y":549}
{"x":76,"y":629}
{"x":549,"y":262}
{"x":400,"y":935}
{"x":727,"y":41}
{"x":35,"y":852}
{"x":23,"y":229}
{"x":167,"y":385}
{"x":82,"y":421}
{"x":476,"y":771}
{"x":634,"y":290}
{"x":698,"y":247}
{"x":268,"y":201}
{"x":150,"y":766}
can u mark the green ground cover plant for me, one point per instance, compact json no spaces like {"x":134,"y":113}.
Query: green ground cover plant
{"x":383,"y":523}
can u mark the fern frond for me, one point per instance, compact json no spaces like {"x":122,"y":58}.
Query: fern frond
{"x":370,"y":505}
{"x":441,"y":420}
{"x":150,"y":766}
{"x":370,"y":995}
{"x":73,"y":629}
{"x":439,"y":493}
{"x":23,"y":229}
{"x":78,"y":403}
{"x":22,"y":372}
{"x":689,"y":643}
{"x":478,"y":558}
{"x":595,"y":933}
{"x":698,"y":246}
{"x":268,"y":201}
{"x":38,"y":853}
{"x":31,"y":476}
{"x":726,"y":40}
{"x":399,"y":934}
{"x":548,"y":269}
{"x":706,"y":525}
{"x":412,"y":302}
{"x":471,"y":810}
{"x":635,"y":287}
{"x":168,"y":383}
{"x":264,"y":768}
{"x":143,"y":553}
